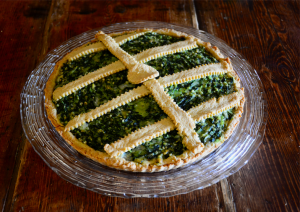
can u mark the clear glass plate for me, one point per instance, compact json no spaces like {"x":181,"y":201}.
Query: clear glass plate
{"x":85,"y":173}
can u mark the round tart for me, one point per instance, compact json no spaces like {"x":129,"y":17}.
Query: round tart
{"x":145,"y":100}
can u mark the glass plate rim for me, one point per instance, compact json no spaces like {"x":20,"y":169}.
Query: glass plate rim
{"x":130,"y":193}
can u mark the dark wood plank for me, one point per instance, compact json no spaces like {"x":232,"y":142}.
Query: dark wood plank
{"x":21,"y":29}
{"x":38,"y":188}
{"x":82,"y":16}
{"x":286,"y":22}
{"x":270,"y":182}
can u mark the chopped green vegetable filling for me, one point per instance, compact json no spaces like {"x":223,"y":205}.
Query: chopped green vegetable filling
{"x":119,"y":123}
{"x":72,"y":70}
{"x":181,"y":61}
{"x":92,"y":96}
{"x":161,"y":147}
{"x":147,"y":41}
{"x":211,"y":129}
{"x":192,"y":93}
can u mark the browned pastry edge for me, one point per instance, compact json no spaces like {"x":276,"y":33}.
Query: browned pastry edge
{"x":120,"y":163}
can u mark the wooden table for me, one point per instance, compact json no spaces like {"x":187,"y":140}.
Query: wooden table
{"x":265,"y":32}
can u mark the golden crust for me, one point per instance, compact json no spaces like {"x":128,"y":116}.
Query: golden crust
{"x":114,"y":48}
{"x":174,"y":33}
{"x":49,"y":105}
{"x":98,"y":46}
{"x":129,"y":32}
{"x":213,"y":50}
{"x":121,"y":163}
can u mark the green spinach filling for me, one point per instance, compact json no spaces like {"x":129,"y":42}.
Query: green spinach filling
{"x":162,"y":147}
{"x":119,"y":122}
{"x":192,"y":93}
{"x":147,"y":41}
{"x":92,"y":96}
{"x":211,"y":129}
{"x":181,"y":61}
{"x":72,"y":70}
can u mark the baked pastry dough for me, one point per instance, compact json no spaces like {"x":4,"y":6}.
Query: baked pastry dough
{"x":194,"y":138}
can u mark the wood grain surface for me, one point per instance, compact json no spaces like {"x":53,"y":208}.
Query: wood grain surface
{"x":265,"y":32}
{"x":270,"y":182}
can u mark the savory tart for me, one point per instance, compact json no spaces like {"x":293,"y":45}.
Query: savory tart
{"x":145,"y":100}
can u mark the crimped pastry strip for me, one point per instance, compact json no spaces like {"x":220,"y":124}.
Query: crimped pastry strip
{"x":107,"y":107}
{"x":213,"y":107}
{"x":160,"y":51}
{"x":195,"y":73}
{"x":124,"y":38}
{"x":140,"y":136}
{"x":90,"y":48}
{"x":71,"y":87}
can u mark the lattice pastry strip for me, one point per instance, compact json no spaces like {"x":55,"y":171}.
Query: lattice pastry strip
{"x":210,"y":108}
{"x":140,"y":136}
{"x":160,"y":51}
{"x":107,"y":107}
{"x":195,"y":73}
{"x":127,"y":37}
{"x":89,"y":48}
{"x":83,"y":81}
{"x":118,"y":66}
